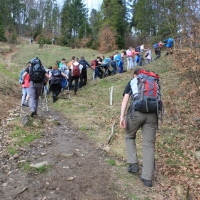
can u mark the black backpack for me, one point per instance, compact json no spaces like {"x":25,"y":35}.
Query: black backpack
{"x":36,"y":71}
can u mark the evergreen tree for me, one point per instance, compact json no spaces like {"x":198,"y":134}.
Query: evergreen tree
{"x":2,"y":32}
{"x":114,"y":14}
{"x":74,"y":16}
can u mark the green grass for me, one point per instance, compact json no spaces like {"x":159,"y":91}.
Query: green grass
{"x":82,"y":128}
{"x":23,"y":137}
{"x":12,"y":150}
{"x":40,"y":170}
{"x":90,"y":108}
{"x":111,"y":162}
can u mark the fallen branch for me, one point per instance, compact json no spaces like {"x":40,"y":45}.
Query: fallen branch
{"x":23,"y":190}
{"x":112,"y":133}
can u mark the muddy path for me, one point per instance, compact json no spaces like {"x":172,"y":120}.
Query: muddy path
{"x":78,"y":169}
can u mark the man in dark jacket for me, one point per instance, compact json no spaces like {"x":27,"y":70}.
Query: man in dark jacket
{"x":83,"y":75}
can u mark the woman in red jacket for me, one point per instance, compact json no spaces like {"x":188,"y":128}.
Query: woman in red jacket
{"x":25,"y":90}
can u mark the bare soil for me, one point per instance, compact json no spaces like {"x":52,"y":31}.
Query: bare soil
{"x":78,"y":168}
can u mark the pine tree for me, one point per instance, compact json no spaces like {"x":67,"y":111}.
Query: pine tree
{"x":114,"y":14}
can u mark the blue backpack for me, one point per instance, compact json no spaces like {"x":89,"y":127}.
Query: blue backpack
{"x":155,"y":46}
{"x":137,"y":49}
{"x":20,"y":76}
{"x":170,"y":40}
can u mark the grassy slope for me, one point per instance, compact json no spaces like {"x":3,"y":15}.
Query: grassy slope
{"x":91,"y":113}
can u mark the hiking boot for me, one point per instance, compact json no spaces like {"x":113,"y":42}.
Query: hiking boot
{"x":147,"y":183}
{"x":54,"y":98}
{"x":33,"y":113}
{"x":133,"y":168}
{"x":25,"y":104}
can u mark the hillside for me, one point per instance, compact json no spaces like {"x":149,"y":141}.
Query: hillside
{"x":177,"y":174}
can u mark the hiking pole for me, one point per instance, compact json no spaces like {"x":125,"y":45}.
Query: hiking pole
{"x":46,"y":100}
{"x":68,"y":91}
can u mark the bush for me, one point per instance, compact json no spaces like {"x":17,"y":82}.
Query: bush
{"x":2,"y":32}
{"x":187,"y":58}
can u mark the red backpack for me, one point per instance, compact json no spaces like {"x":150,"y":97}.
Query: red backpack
{"x":148,"y":98}
{"x":76,"y":71}
{"x":93,"y":64}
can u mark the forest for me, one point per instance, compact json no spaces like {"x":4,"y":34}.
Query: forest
{"x":115,"y":25}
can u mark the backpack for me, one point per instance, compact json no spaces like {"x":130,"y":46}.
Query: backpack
{"x":148,"y":97}
{"x":20,"y":76}
{"x":76,"y":71}
{"x":36,"y":71}
{"x":155,"y":46}
{"x":93,"y":64}
{"x":56,"y":73}
{"x":170,"y":40}
{"x":137,"y":49}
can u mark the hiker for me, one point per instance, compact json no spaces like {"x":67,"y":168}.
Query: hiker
{"x":50,"y":68}
{"x":69,"y":64}
{"x":25,"y":88}
{"x":60,"y":64}
{"x":83,"y":76}
{"x":113,"y":65}
{"x":141,"y":50}
{"x":119,"y":62}
{"x":169,"y":45}
{"x":56,"y":82}
{"x":157,"y":48}
{"x":104,"y":68}
{"x":37,"y":78}
{"x":76,"y":70}
{"x":98,"y":70}
{"x":129,"y":58}
{"x":134,"y":55}
{"x":64,"y":69}
{"x":143,"y":119}
{"x":148,"y":56}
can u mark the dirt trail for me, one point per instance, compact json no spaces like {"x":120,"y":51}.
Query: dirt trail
{"x":78,"y":168}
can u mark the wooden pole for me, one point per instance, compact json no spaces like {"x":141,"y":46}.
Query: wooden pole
{"x":111,"y":95}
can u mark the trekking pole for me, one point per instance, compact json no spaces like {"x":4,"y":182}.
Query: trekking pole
{"x":68,"y":90}
{"x":46,"y":100}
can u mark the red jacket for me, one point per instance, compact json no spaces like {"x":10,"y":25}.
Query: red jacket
{"x":26,"y":81}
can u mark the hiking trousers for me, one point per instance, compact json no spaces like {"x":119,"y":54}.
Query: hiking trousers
{"x":35,"y":90}
{"x":83,"y":78}
{"x":25,"y":92}
{"x":74,"y":78}
{"x":148,"y":123}
{"x":129,"y":63}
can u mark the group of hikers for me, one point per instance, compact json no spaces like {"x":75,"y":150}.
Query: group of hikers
{"x":138,"y":56}
{"x":36,"y":77}
{"x":141,"y":114}
{"x":64,"y":73}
